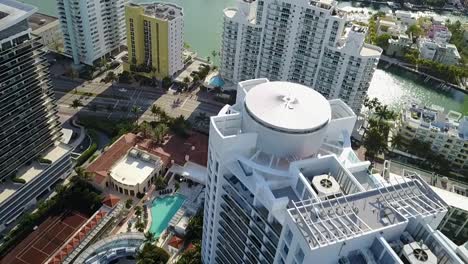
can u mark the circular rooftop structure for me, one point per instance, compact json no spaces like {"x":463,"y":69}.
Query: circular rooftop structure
{"x":288,"y":107}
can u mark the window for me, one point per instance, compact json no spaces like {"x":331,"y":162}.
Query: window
{"x":289,"y":236}
{"x":299,"y":256}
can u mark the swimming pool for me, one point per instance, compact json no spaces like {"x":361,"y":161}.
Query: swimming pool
{"x":162,"y":211}
{"x":216,"y":81}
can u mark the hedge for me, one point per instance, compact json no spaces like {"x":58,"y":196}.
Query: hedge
{"x":86,"y":155}
{"x":44,"y":161}
{"x":18,"y":180}
{"x":90,"y":151}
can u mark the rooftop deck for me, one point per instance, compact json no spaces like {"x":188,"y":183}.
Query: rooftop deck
{"x":163,"y":11}
{"x":13,"y":12}
{"x":30,"y":172}
{"x":436,"y":119}
{"x":333,"y":220}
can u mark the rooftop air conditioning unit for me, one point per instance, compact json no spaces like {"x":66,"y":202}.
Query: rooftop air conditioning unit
{"x":133,"y":153}
{"x":418,"y":253}
{"x":145,"y":157}
{"x":326,"y":186}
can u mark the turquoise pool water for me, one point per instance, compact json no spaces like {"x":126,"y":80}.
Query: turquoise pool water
{"x":162,"y":211}
{"x":216,"y":81}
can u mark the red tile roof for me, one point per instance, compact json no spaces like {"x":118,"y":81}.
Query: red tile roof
{"x":175,"y":148}
{"x":176,"y":242}
{"x":75,"y":241}
{"x":190,"y":247}
{"x":102,"y":165}
{"x":111,"y":200}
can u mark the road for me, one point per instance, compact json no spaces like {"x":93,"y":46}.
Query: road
{"x":116,"y":101}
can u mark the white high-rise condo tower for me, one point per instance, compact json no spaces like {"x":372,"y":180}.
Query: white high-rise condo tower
{"x":91,"y":28}
{"x":30,"y":131}
{"x":302,"y":41}
{"x":284,"y":186}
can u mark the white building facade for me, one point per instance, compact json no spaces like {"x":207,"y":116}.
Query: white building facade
{"x":91,"y":28}
{"x":447,"y":133}
{"x":284,"y":186}
{"x":437,"y":51}
{"x":300,"y":41}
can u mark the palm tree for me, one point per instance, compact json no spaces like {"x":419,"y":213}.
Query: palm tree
{"x":375,"y":142}
{"x":145,"y":128}
{"x":186,"y":81}
{"x":159,"y":132}
{"x":155,"y":111}
{"x":76,"y":103}
{"x":151,"y":254}
{"x":192,"y":256}
{"x":128,"y":203}
{"x":214,"y":54}
{"x":73,"y":74}
{"x":138,"y":210}
{"x":135,"y":110}
{"x":153,"y":71}
{"x":196,"y":78}
{"x":82,"y":173}
{"x":111,"y":77}
{"x":397,"y":141}
{"x":149,"y":237}
{"x":371,"y":104}
{"x":160,"y":183}
{"x":383,"y":113}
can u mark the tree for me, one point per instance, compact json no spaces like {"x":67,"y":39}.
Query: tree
{"x":138,"y":210}
{"x":382,"y":41}
{"x":196,"y":78}
{"x":155,"y":111}
{"x":73,"y":74}
{"x":177,"y":186}
{"x":153,"y":71}
{"x":140,"y":226}
{"x":180,"y":126}
{"x":145,"y":128}
{"x":76,"y":103}
{"x":371,"y":104}
{"x":415,"y":30}
{"x":375,"y":142}
{"x":191,"y":256}
{"x":135,"y":110}
{"x":166,"y":82}
{"x":151,"y":254}
{"x":397,"y":141}
{"x":128,"y":203}
{"x":149,"y":237}
{"x":83,"y":174}
{"x":159,"y":183}
{"x":161,"y":131}
{"x":214,"y":54}
{"x":195,"y":227}
{"x":186,"y":81}
{"x":383,"y":113}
